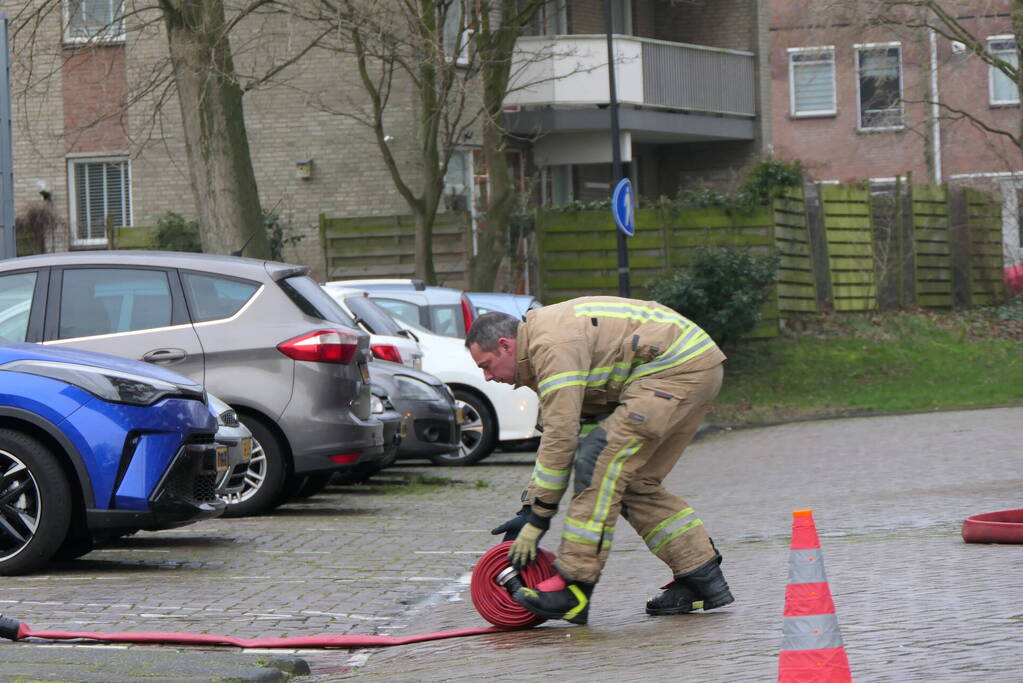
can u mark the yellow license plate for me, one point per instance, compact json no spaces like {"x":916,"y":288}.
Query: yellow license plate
{"x":403,"y":429}
{"x":459,"y":415}
{"x":246,"y":449}
{"x":221,"y":458}
{"x":365,"y":371}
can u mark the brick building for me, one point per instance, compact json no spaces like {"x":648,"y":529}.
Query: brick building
{"x":97,"y":129}
{"x":855,"y":101}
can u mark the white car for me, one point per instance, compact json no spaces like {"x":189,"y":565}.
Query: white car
{"x":387,"y":340}
{"x":492,"y":412}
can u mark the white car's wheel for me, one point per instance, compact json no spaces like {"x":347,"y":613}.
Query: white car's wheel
{"x":478,"y":432}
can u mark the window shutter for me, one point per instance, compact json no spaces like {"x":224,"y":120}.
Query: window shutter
{"x":101,"y":189}
{"x":813,"y":87}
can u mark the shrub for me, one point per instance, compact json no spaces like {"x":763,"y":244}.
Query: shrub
{"x":721,"y":291}
{"x":174,"y":233}
{"x":279,"y":234}
{"x":766,"y":180}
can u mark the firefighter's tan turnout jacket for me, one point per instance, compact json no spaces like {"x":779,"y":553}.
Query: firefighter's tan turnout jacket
{"x":580,"y":355}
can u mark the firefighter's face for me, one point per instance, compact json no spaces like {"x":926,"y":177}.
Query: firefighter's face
{"x":497,"y":365}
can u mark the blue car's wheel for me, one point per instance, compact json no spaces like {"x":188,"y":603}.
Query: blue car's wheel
{"x":35,"y":503}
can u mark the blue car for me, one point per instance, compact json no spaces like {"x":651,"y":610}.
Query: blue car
{"x":92,"y":445}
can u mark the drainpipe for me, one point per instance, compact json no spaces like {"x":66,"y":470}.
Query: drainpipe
{"x":935,"y":108}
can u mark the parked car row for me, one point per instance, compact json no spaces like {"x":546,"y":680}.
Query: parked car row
{"x":234,"y":385}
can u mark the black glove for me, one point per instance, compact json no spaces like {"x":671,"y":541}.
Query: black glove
{"x":513,"y":526}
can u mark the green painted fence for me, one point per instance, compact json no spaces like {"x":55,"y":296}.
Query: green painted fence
{"x":984,"y":218}
{"x":932,"y":246}
{"x":578,"y":253}
{"x":849,"y":238}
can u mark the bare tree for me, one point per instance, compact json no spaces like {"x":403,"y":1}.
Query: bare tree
{"x":449,"y":62}
{"x":198,"y":68}
{"x":964,"y":22}
{"x":499,"y":24}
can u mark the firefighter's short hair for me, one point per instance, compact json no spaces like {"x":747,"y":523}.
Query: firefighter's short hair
{"x":490,"y":327}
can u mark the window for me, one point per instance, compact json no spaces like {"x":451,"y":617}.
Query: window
{"x":86,"y":20}
{"x":101,"y":196}
{"x":1003,"y":90}
{"x":456,"y":33}
{"x":457,"y":180}
{"x":552,"y":18}
{"x":213,"y":298}
{"x":15,"y":304}
{"x":109,"y":300}
{"x":812,"y":81}
{"x":446,"y":320}
{"x":880,"y":85}
{"x":371,"y":317}
{"x":621,"y":16}
{"x":313,"y":301}
{"x":402,"y":310}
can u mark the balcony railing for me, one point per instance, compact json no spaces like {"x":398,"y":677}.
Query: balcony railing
{"x":572,"y":71}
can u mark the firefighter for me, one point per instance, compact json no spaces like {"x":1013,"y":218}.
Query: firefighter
{"x":652,"y":375}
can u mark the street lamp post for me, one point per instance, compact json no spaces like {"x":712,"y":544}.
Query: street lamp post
{"x":624,"y":289}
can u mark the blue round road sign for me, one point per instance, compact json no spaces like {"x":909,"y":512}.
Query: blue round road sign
{"x":622,"y":209}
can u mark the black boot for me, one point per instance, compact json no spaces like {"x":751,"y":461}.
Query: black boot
{"x":572,"y":603}
{"x":704,"y":588}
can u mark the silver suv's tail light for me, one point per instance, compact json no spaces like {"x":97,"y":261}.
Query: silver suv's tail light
{"x":322,"y":346}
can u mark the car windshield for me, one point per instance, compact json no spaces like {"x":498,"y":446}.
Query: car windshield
{"x":446,"y":320}
{"x":374,"y":318}
{"x":313,"y":301}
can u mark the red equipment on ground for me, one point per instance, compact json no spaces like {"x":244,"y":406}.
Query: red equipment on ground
{"x":1004,"y":526}
{"x":489,"y":595}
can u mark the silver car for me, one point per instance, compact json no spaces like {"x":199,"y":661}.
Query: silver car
{"x":260,"y":335}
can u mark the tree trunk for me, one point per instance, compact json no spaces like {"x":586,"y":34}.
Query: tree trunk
{"x":495,"y":44}
{"x":220,"y":166}
{"x":492,"y":239}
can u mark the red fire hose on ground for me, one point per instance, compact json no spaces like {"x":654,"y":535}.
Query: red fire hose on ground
{"x":493,"y":581}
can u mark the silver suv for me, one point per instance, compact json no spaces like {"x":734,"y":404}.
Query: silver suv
{"x":260,"y":335}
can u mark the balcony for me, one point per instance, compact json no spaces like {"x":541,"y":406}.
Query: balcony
{"x":571,"y":71}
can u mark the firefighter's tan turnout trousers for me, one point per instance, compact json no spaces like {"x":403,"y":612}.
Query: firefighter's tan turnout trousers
{"x":646,"y":435}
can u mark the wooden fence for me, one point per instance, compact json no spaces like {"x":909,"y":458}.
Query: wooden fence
{"x":578,"y":254}
{"x":384,"y":246}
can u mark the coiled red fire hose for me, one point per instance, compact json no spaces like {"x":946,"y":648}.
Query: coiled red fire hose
{"x":490,"y":598}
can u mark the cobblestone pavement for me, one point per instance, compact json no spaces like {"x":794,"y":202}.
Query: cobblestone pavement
{"x":889,"y":495}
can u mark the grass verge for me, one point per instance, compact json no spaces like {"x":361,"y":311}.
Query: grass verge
{"x":878,"y":362}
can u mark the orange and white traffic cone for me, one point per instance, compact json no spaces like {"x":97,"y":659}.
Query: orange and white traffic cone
{"x":812,"y":650}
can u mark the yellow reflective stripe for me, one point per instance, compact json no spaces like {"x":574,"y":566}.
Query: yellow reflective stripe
{"x":693,"y":344}
{"x":610,"y":480}
{"x":587,"y":532}
{"x":548,"y":478}
{"x":575,"y":378}
{"x":656,"y":539}
{"x":632,"y":312}
{"x":579,"y":539}
{"x":581,"y":597}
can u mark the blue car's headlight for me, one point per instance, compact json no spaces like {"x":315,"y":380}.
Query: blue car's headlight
{"x":114,"y":386}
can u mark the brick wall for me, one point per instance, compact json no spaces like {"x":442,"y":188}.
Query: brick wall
{"x":833,"y":148}
{"x":94,"y":85}
{"x":718,"y":23}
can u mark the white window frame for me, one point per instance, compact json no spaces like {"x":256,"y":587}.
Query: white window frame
{"x":461,"y":33}
{"x":993,"y":73}
{"x":856,"y":69}
{"x":114,"y":33}
{"x":792,"y":82}
{"x":72,"y":161}
{"x":553,"y":18}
